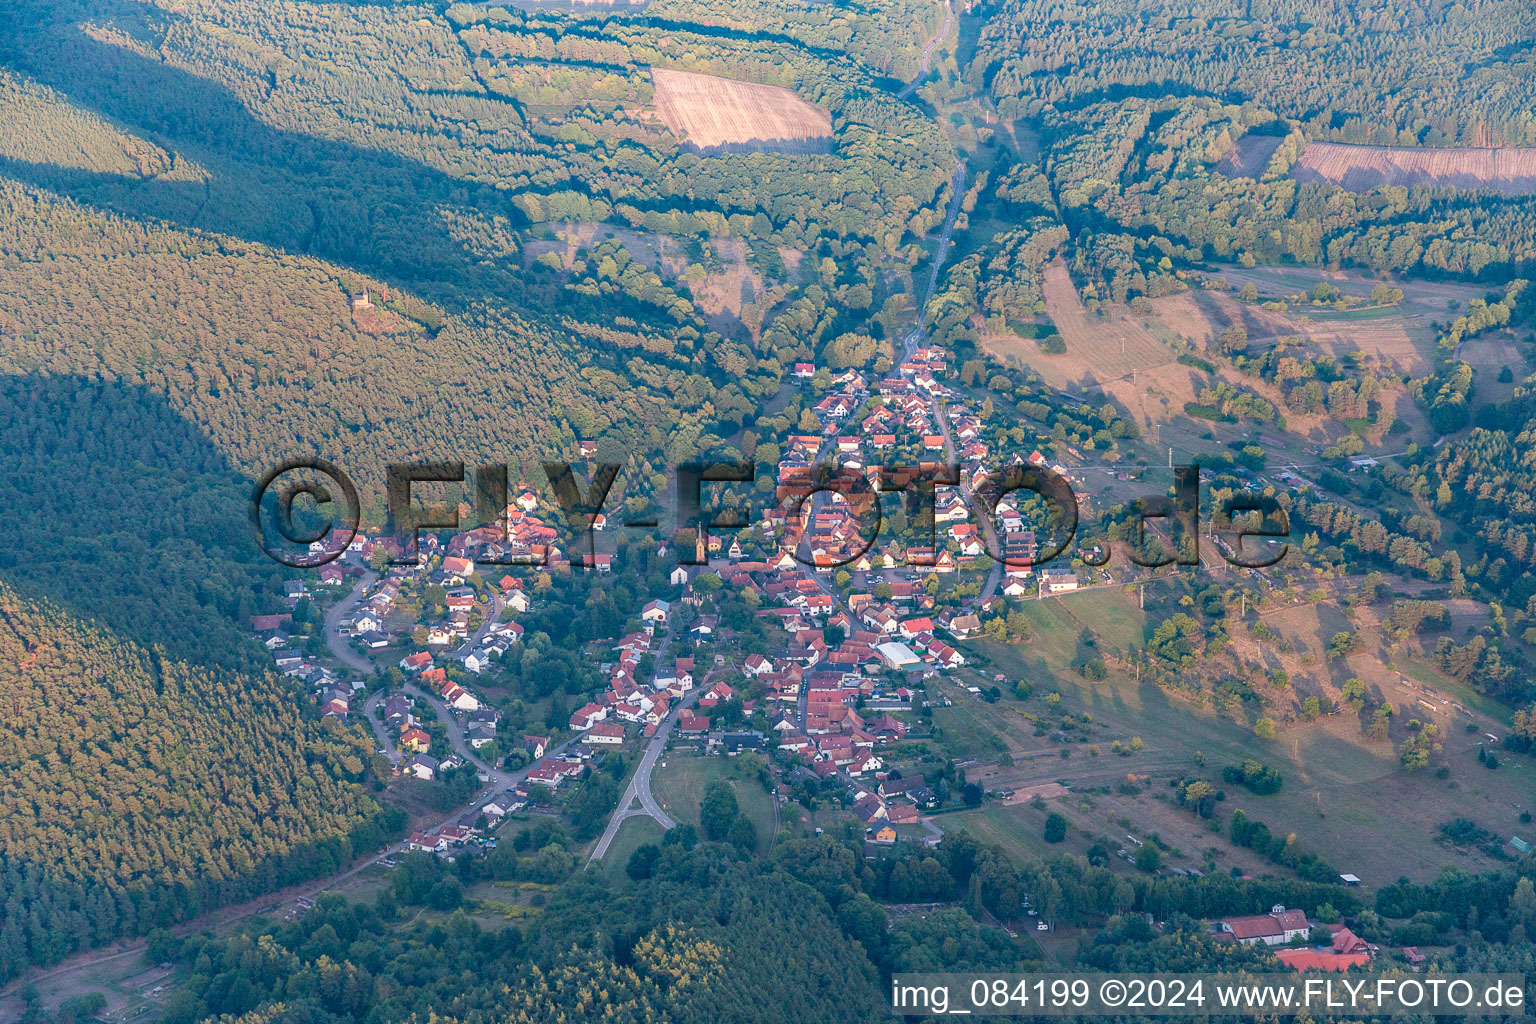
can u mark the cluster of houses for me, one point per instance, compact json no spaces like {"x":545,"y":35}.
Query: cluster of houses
{"x":1281,"y":927}
{"x":334,"y":695}
{"x":547,"y":770}
{"x":906,"y":420}
{"x":626,"y":698}
{"x":877,"y":639}
{"x":894,"y":802}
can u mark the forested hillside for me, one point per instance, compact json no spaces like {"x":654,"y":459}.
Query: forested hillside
{"x":119,"y":509}
{"x":1411,"y":72}
{"x":262,"y":352}
{"x":708,"y":939}
{"x":138,"y":790}
{"x":416,"y":151}
{"x":352,"y":132}
{"x":233,"y":233}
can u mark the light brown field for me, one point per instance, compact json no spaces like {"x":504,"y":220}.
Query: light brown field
{"x":1488,"y":354}
{"x":1362,"y":168}
{"x":1398,"y":342}
{"x":720,"y":115}
{"x":1098,"y":350}
{"x":1045,"y":791}
{"x":1392,"y":346}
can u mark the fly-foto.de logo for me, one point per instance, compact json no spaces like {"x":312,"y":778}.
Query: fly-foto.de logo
{"x":852,"y":495}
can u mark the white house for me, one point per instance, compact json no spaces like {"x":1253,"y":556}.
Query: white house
{"x":425,"y":843}
{"x":461,"y":699}
{"x":604,"y":734}
{"x":655,"y":613}
{"x":897,"y":655}
{"x":1057,"y":582}
{"x":422,"y":766}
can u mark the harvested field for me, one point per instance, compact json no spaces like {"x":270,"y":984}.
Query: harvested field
{"x":718,"y":115}
{"x":1362,"y":168}
{"x":1248,"y":156}
{"x":1045,"y":791}
{"x":577,"y":6}
{"x":1399,"y":342}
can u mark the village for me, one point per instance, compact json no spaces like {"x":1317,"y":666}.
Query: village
{"x":861,"y":628}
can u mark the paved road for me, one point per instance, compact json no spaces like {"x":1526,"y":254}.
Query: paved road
{"x":498,"y":779}
{"x":639,"y":789}
{"x":957,"y":195}
{"x":924,"y":65}
{"x":380,"y":733}
{"x":915,"y":338}
{"x":343,"y":652}
{"x":340,"y":648}
{"x":498,"y":605}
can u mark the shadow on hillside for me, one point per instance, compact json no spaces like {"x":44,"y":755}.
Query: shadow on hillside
{"x":120,"y":510}
{"x":368,"y":209}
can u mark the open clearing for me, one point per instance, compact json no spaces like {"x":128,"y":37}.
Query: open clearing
{"x":1362,"y":168}
{"x":1098,"y":350}
{"x":633,"y":834}
{"x":1342,"y":789}
{"x":721,"y":294}
{"x":680,"y":779}
{"x":1249,"y":156}
{"x":720,"y":115}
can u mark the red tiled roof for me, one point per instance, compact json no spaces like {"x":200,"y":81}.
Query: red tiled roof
{"x":1320,"y":960}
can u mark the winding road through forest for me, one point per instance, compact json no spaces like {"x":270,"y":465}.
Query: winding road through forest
{"x":926,"y":63}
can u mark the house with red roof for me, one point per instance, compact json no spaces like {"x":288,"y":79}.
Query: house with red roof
{"x":1275,"y":928}
{"x":604,"y":734}
{"x":1321,"y":959}
{"x":425,"y":842}
{"x":1346,"y":941}
{"x":758,"y":665}
{"x":458,"y":568}
{"x":715,"y":694}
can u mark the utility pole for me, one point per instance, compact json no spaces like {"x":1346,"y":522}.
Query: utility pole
{"x":1141,"y":597}
{"x":1170,"y":458}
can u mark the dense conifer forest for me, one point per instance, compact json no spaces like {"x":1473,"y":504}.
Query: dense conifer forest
{"x":140,"y":790}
